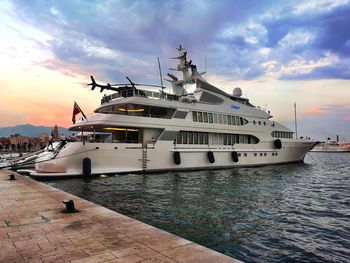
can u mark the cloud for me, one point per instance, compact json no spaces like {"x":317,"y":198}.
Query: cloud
{"x":326,"y":72}
{"x":316,"y":111}
{"x":274,"y":46}
{"x":234,"y":32}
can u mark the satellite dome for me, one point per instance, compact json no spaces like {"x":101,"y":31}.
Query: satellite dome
{"x":237,"y":92}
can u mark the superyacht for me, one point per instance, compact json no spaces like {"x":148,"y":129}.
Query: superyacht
{"x":196,"y":126}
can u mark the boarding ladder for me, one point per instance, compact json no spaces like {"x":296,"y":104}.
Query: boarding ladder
{"x":144,"y":159}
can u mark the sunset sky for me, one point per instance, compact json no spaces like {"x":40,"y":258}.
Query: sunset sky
{"x":277,"y":52}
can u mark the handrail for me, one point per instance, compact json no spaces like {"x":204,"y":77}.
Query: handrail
{"x":139,"y":93}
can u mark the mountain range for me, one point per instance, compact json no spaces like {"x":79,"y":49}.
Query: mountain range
{"x":30,"y":130}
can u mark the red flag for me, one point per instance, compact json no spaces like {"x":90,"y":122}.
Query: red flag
{"x":76,"y":110}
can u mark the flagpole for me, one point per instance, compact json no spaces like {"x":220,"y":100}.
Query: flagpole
{"x":82,"y":112}
{"x":295,"y":120}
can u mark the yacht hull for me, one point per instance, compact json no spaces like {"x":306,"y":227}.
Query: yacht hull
{"x":115,"y":158}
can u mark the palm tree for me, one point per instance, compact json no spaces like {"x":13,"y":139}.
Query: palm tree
{"x":13,"y":147}
{"x":24,"y":146}
{"x":29,"y":146}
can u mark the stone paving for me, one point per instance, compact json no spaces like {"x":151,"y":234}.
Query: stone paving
{"x":34,"y":229}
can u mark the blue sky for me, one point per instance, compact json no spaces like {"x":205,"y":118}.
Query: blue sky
{"x":278,"y":52}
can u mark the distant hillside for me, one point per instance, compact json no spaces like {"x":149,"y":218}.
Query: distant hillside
{"x":29,"y":130}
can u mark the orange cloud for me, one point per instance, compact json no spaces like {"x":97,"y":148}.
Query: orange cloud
{"x":316,"y":111}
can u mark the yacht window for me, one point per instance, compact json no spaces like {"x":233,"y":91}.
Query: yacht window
{"x":229,"y":122}
{"x":210,"y":117}
{"x":205,"y":117}
{"x":205,"y":138}
{"x":215,"y":118}
{"x":195,"y":138}
{"x":200,"y":116}
{"x":225,"y":119}
{"x":238,"y":121}
{"x":125,"y":135}
{"x":239,"y":154}
{"x":259,"y":122}
{"x":243,"y":138}
{"x":213,"y":138}
{"x":200,"y":138}
{"x":255,"y":154}
{"x":233,"y":140}
{"x":233,"y":120}
{"x":194,"y":115}
{"x":225,"y":138}
{"x":254,"y":122}
{"x":184,"y":137}
{"x":179,"y":138}
{"x":280,"y":134}
{"x":229,"y":139}
{"x":220,"y":118}
{"x":138,"y":110}
{"x":265,"y":154}
{"x":245,"y":154}
{"x":261,"y":154}
{"x":190,"y":137}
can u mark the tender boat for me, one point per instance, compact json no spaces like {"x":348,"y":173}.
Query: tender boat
{"x":197,"y":126}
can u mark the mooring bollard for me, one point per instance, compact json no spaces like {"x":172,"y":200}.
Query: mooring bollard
{"x":12,"y":177}
{"x":69,"y":207}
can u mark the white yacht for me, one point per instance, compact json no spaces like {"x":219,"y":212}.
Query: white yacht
{"x":332,"y":146}
{"x":197,"y":126}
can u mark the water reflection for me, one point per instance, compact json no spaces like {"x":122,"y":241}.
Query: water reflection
{"x":298,"y":212}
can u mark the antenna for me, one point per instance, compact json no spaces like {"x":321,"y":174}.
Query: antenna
{"x":295,"y":120}
{"x":160,"y":75}
{"x":206,"y":67}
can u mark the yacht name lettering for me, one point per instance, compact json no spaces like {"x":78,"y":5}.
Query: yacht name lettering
{"x":234,"y":107}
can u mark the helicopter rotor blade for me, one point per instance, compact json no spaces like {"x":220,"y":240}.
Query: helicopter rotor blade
{"x":132,"y":83}
{"x":93,"y":83}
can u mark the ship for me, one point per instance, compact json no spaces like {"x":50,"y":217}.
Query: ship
{"x":330,"y":145}
{"x":141,"y":128}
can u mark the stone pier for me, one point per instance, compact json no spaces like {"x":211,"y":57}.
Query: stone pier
{"x":33,"y":228}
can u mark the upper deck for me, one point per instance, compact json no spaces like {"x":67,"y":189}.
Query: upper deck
{"x":132,"y":92}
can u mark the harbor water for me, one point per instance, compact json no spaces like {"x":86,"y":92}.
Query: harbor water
{"x":284,"y":213}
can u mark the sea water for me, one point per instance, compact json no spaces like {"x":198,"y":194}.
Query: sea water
{"x":283,"y":213}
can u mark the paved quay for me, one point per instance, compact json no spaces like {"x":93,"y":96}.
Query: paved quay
{"x":34,"y":229}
